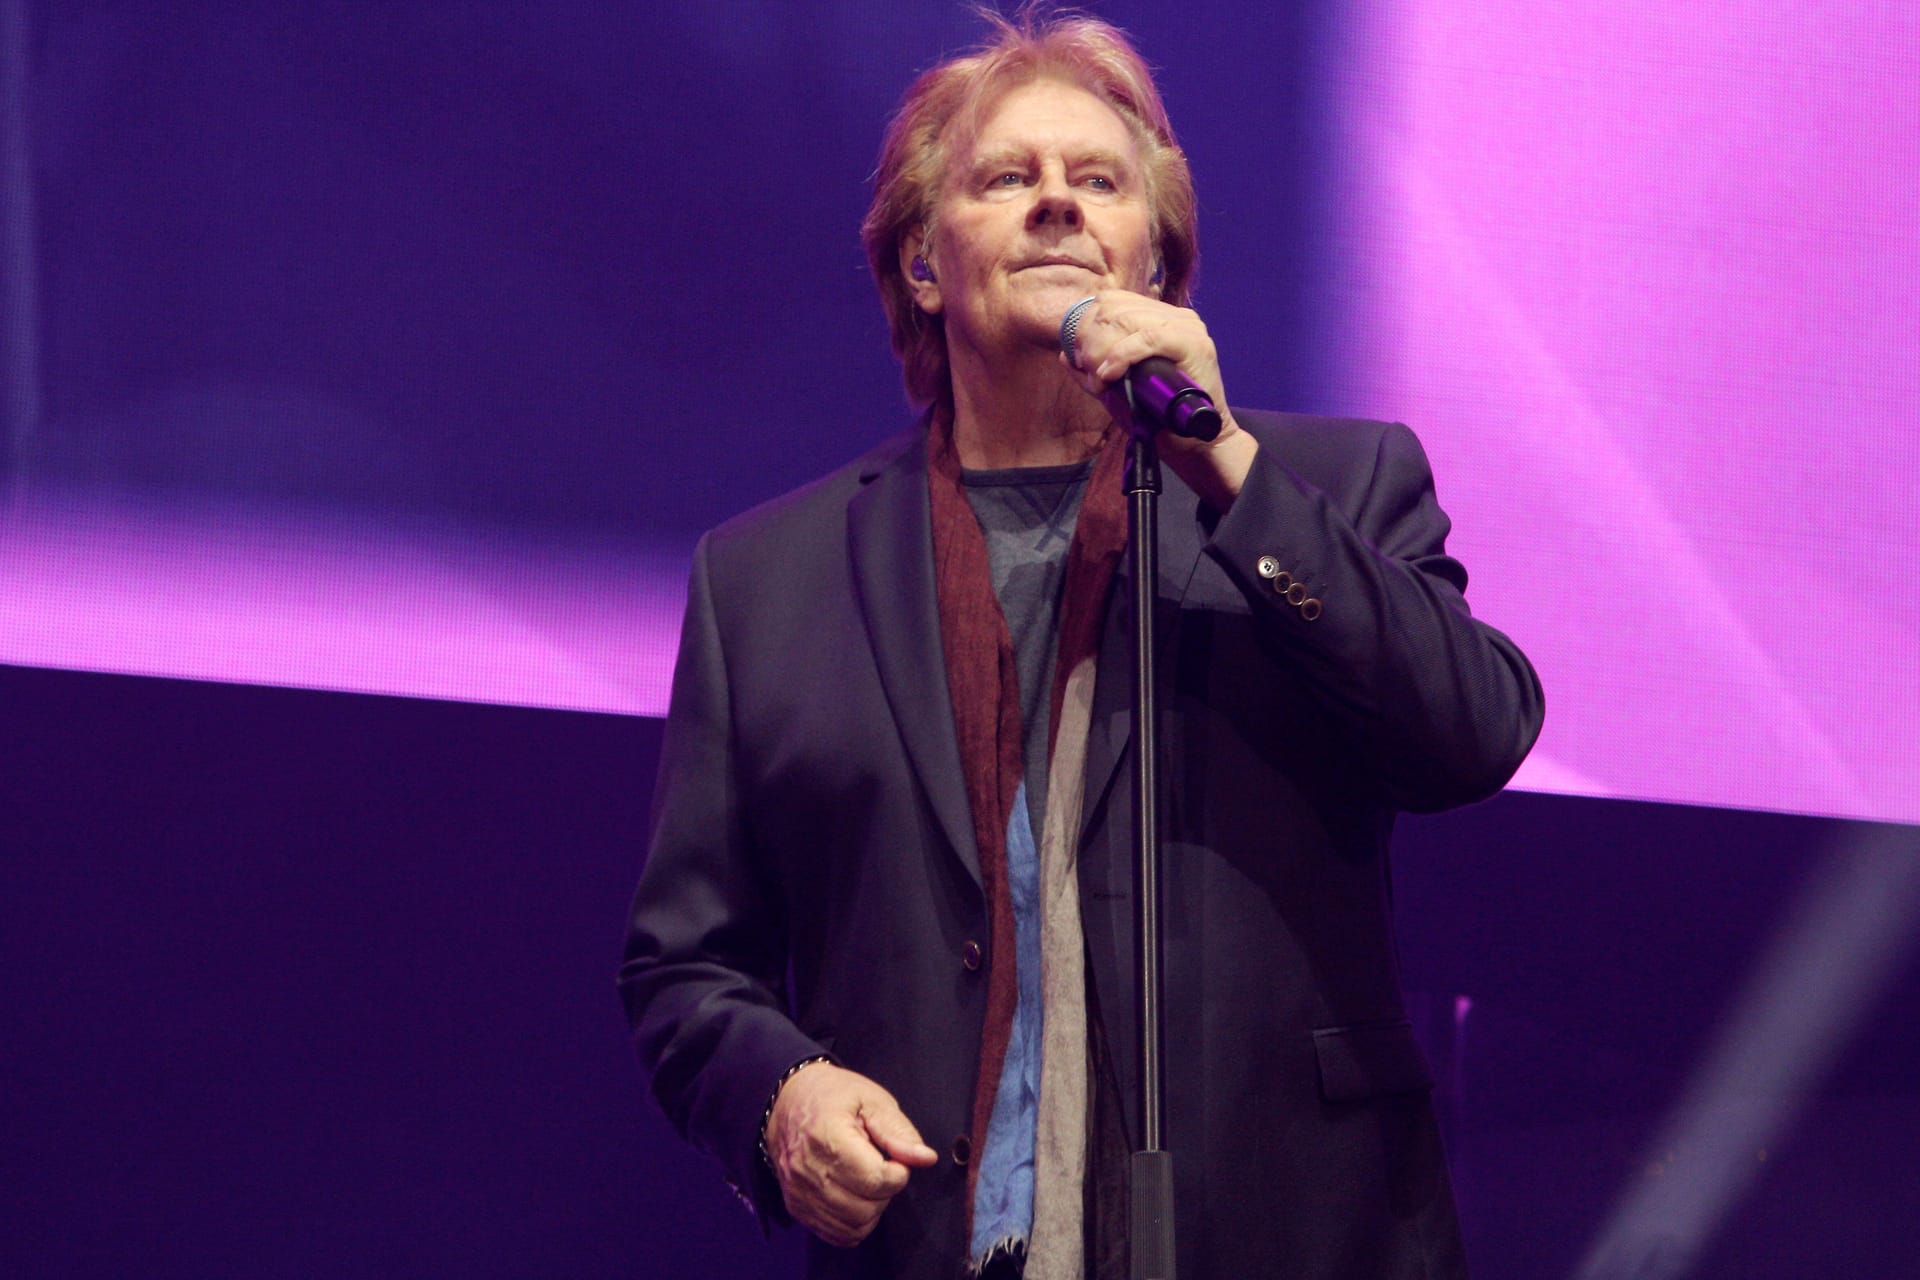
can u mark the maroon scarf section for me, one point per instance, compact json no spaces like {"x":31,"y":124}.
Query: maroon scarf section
{"x":1099,"y":542}
{"x":984,"y":683}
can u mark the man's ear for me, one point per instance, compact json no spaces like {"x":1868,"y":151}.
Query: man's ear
{"x":916,"y":266}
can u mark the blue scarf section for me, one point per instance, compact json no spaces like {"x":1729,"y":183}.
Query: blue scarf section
{"x":1003,"y":1198}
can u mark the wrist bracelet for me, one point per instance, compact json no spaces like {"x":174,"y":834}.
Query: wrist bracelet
{"x":766,"y":1117}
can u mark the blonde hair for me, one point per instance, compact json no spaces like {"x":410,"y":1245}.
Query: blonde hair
{"x":1086,"y":52}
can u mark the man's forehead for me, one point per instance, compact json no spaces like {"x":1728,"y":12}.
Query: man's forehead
{"x":1014,"y":120}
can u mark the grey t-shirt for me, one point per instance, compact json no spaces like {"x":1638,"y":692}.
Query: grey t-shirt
{"x":1028,"y":515}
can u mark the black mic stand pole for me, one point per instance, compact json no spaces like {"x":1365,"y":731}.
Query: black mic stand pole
{"x":1150,"y":1186}
{"x":1162,"y":396}
{"x":1154,"y":393}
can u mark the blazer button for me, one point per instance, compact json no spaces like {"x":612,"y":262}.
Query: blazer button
{"x":962,"y":1149}
{"x":1310,"y":608}
{"x":1297,"y":593}
{"x":1266,"y":566}
{"x":970,"y":954}
{"x":1282,"y":580}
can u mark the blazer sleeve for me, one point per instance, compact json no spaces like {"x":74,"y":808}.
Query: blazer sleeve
{"x":704,"y":973}
{"x":1359,"y":593}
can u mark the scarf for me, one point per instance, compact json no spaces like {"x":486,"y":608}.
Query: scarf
{"x":984,"y":683}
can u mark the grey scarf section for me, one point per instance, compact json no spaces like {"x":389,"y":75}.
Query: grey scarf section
{"x":1057,"y":1248}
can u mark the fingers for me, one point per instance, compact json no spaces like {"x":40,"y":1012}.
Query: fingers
{"x":1127,"y":351}
{"x":830,"y":1137}
{"x":1119,"y":331}
{"x":837,"y":1183}
{"x":895,"y":1135}
{"x":835,"y":1212}
{"x":1088,"y":380}
{"x":1122,"y":328}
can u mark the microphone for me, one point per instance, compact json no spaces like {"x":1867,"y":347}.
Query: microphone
{"x":1157,"y":392}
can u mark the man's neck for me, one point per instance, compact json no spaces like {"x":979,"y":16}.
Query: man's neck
{"x":1026,"y":412}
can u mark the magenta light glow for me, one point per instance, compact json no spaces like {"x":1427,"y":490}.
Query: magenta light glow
{"x":1643,"y":277}
{"x":319,"y":600}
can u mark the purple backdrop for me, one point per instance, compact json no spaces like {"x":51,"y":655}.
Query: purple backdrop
{"x":406,"y":349}
{"x":1635,"y":272}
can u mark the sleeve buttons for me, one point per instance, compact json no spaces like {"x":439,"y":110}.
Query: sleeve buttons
{"x":1289,"y":588}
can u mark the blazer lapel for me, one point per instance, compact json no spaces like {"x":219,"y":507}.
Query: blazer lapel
{"x":890,"y":546}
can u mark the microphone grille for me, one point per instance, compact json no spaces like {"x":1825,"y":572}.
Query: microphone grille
{"x":1070,"y":328}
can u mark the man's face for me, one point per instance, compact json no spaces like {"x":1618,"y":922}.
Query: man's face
{"x":1046,"y":204}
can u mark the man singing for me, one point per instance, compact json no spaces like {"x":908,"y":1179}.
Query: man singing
{"x":881,"y":958}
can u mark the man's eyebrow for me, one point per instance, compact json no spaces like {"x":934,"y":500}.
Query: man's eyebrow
{"x":1017,"y":156}
{"x":1000,"y":156}
{"x":1103,"y":160}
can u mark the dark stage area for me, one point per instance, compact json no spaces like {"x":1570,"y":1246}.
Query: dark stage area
{"x":320,"y":984}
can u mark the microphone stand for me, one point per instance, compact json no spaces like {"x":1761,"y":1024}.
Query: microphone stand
{"x":1150,"y":1224}
{"x":1153,"y":394}
{"x":1156,"y":394}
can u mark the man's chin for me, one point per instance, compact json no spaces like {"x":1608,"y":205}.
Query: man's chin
{"x":1041,"y":310}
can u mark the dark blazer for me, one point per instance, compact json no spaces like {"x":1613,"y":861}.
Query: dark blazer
{"x":812,"y":884}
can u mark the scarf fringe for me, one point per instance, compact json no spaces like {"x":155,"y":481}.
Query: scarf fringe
{"x":1004,"y":1245}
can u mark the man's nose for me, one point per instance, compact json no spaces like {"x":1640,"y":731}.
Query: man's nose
{"x":1054,"y":201}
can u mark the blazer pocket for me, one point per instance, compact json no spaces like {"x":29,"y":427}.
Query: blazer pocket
{"x":1369,"y":1059}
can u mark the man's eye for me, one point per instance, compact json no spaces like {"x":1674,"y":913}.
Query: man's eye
{"x":1008,"y":179}
{"x":1100,"y":182}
